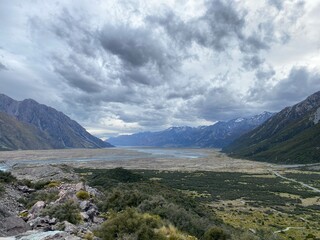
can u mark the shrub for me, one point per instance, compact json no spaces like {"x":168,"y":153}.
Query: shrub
{"x":83,"y":195}
{"x":118,"y":200}
{"x":130,"y":224}
{"x":39,"y":196}
{"x":183,"y":219}
{"x":53,"y":184}
{"x":215,"y":233}
{"x":69,"y":211}
{"x":6,"y":177}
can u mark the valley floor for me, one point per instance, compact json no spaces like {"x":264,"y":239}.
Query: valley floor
{"x":143,"y":158}
{"x":278,"y":200}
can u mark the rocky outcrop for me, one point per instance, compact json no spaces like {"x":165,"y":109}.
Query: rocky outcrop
{"x":88,"y":211}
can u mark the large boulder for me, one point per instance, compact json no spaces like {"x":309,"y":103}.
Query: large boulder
{"x":11,"y":225}
{"x":36,"y":209}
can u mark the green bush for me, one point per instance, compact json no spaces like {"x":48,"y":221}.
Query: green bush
{"x":83,"y":195}
{"x":35,"y":185}
{"x":215,"y":233}
{"x":130,"y":224}
{"x":47,"y":196}
{"x":53,"y":184}
{"x":6,"y":177}
{"x":68,"y":211}
{"x":119,"y":199}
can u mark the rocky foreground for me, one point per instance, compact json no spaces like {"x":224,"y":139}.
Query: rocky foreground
{"x":33,"y":209}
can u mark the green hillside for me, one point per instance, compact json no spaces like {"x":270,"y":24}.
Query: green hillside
{"x":17,"y":135}
{"x":291,"y":136}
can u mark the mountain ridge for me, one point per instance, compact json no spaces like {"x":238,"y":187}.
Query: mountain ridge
{"x":62,"y":131}
{"x":290,"y":136}
{"x":218,"y":135}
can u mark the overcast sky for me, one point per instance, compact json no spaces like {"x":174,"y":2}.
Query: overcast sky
{"x":123,"y":66}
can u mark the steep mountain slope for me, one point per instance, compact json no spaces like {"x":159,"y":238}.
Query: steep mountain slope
{"x":217,"y":135}
{"x":18,"y":135}
{"x":291,"y":136}
{"x":62,"y":132}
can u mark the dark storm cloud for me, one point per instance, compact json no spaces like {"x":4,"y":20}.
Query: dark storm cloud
{"x":76,"y":32}
{"x":3,"y":67}
{"x":219,"y":104}
{"x":75,"y":78}
{"x":299,"y":83}
{"x":144,"y":57}
{"x":136,"y":46}
{"x":215,"y":29}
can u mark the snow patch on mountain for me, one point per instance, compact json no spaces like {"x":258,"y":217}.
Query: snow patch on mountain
{"x":239,"y":119}
{"x":317,"y":116}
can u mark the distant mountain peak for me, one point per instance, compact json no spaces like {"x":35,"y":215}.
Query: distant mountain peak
{"x":216,"y":135}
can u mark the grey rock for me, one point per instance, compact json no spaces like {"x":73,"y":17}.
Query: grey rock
{"x":53,"y":221}
{"x":92,"y":191}
{"x":12,"y":225}
{"x":39,"y":222}
{"x":85,"y":216}
{"x":65,"y":195}
{"x":37,"y":208}
{"x":92,"y":212}
{"x":98,"y":220}
{"x":25,"y":189}
{"x":70,"y":228}
{"x":84,"y":205}
{"x":80,"y":186}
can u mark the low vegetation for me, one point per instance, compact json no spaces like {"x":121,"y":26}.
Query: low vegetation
{"x":5,"y":177}
{"x":46,"y":196}
{"x":68,"y":211}
{"x":209,"y":205}
{"x":83,"y":195}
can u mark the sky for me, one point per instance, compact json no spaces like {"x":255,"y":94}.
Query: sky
{"x":125,"y":66}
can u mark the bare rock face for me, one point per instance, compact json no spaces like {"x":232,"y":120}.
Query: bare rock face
{"x":80,"y":186}
{"x":11,"y":225}
{"x":37,"y":208}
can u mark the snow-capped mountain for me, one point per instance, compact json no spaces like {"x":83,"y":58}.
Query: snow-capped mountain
{"x":218,"y":135}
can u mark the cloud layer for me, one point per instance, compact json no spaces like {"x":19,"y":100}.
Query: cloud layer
{"x":126,"y":66}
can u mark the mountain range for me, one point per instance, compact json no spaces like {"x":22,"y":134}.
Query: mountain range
{"x":290,"y":136}
{"x":218,"y":135}
{"x":29,"y":125}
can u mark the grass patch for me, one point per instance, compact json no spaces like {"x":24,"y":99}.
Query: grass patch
{"x":83,"y":195}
